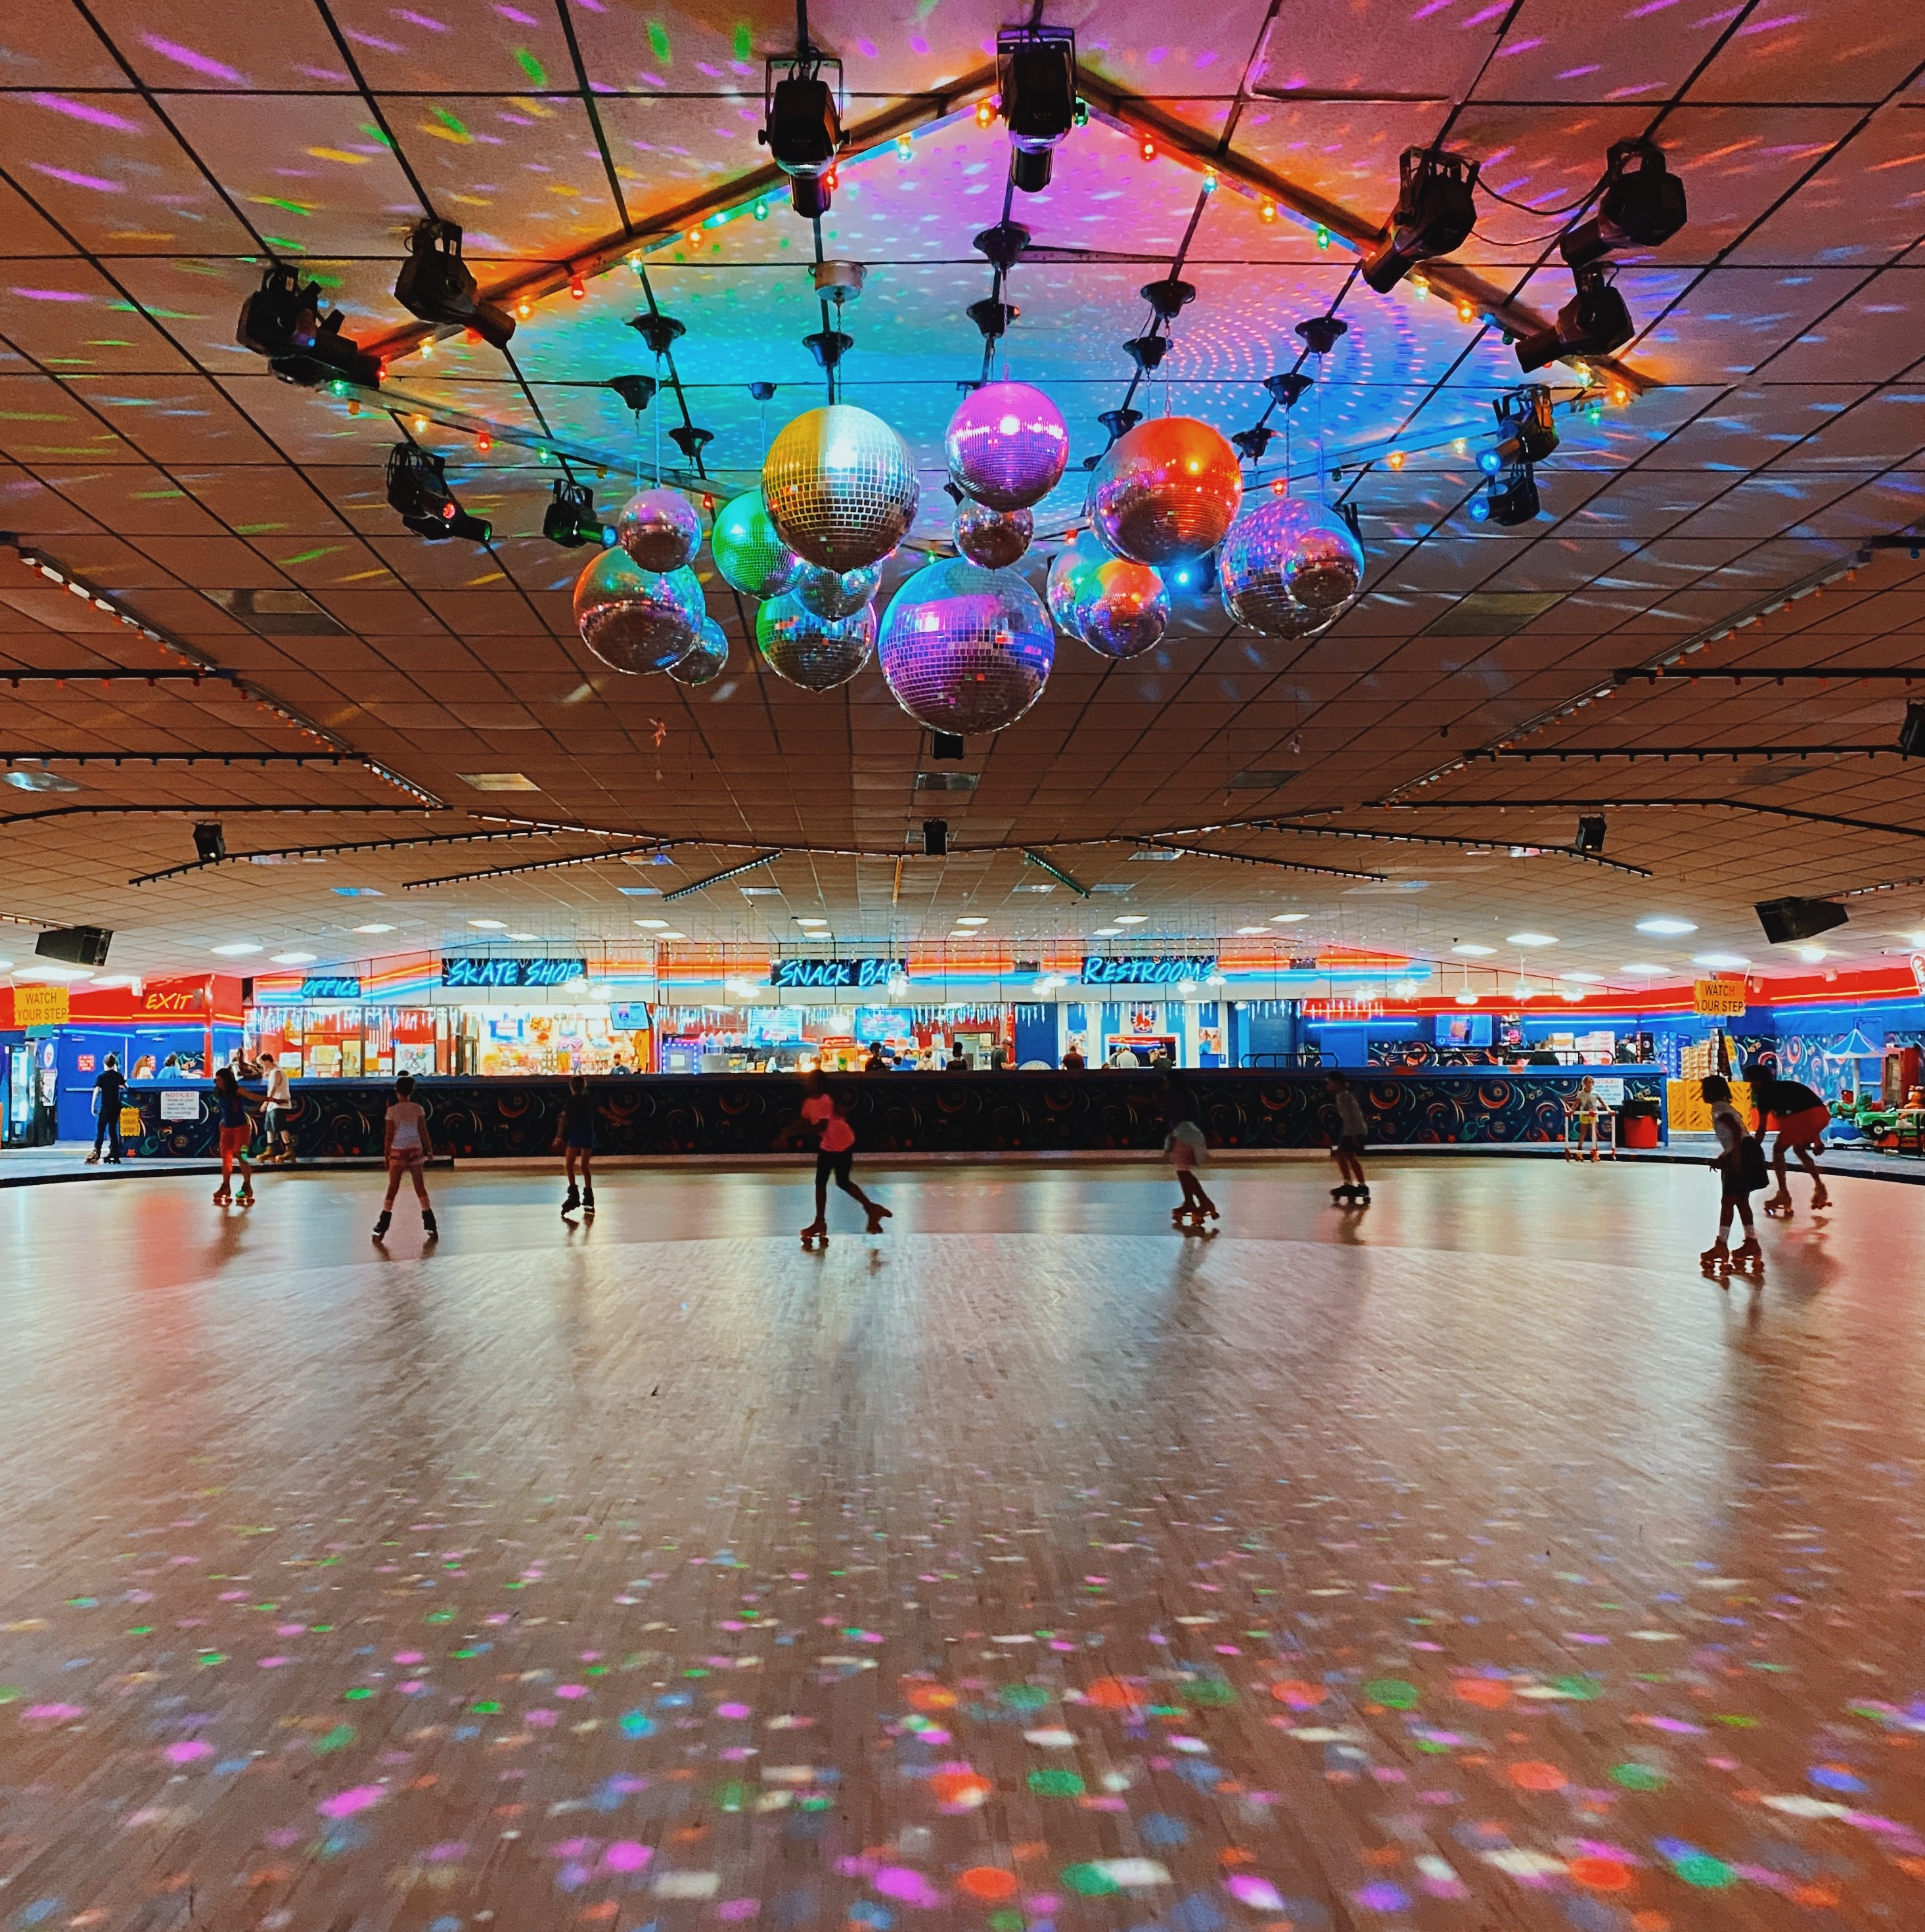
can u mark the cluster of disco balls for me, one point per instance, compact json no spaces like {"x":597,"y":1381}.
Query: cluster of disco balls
{"x":966,"y":645}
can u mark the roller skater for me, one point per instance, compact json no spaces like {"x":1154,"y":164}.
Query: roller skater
{"x":1183,"y":1145}
{"x":835,"y":1151}
{"x":1801,"y":1117}
{"x":237,"y":1129}
{"x":1741,"y":1164}
{"x":1353,"y":1135}
{"x":574,"y":1140}
{"x":405,"y":1147}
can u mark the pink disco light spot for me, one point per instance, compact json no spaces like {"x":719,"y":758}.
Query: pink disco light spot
{"x":907,"y":1887}
{"x":49,"y":295}
{"x":76,"y":180}
{"x":1517,"y":47}
{"x":625,"y":1856}
{"x":78,"y":110}
{"x":195,"y":63}
{"x":356,"y":1798}
{"x":188,"y":1752}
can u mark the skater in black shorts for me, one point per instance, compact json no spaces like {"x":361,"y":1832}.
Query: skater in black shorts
{"x":1741,"y":1164}
{"x":574,"y":1140}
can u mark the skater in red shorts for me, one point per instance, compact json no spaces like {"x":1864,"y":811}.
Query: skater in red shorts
{"x":1800,"y":1116}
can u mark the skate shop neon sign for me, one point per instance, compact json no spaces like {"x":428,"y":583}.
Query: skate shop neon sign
{"x":496,"y":973}
{"x":1155,"y":969}
{"x":812,"y":972}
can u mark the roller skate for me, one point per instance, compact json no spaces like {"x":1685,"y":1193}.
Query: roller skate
{"x":222,"y":1199}
{"x":245,"y":1198}
{"x":878,"y":1214}
{"x":588,"y":1202}
{"x":1716,"y":1258}
{"x":1193,"y":1220}
{"x":816,"y":1235}
{"x":383,"y":1221}
{"x":1748,"y":1258}
{"x":427,"y":1223}
{"x":1819,"y":1198}
{"x":1360,"y":1197}
{"x":573,"y":1200}
{"x":1779,"y":1204}
{"x":1344,"y":1196}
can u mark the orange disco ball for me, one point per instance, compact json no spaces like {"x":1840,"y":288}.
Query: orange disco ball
{"x":1167,"y":492}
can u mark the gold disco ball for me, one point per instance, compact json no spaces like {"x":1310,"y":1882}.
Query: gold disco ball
{"x":840,"y":487}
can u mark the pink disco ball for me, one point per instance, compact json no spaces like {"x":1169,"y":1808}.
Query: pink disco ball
{"x":1118,"y":608}
{"x":659,"y":529}
{"x":834,"y":594}
{"x":634,"y":619}
{"x":1007,"y":445}
{"x":841,"y":489}
{"x":818,"y":653}
{"x":994,"y":538}
{"x":1280,"y":542}
{"x":707,"y":658}
{"x":965,"y":649}
{"x":1167,"y":492}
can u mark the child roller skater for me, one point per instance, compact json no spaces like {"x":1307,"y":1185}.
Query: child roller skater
{"x":404,"y":1146}
{"x":237,"y":1129}
{"x":574,"y":1140}
{"x":836,"y":1150}
{"x":1801,"y":1117}
{"x":1740,"y":1165}
{"x":1184,"y":1144}
{"x":1352,"y":1133}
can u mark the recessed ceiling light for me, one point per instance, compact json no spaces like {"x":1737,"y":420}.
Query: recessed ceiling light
{"x":238,"y":949}
{"x":1287,"y":918}
{"x":1812,"y":954}
{"x":54,"y":976}
{"x":1528,"y":939}
{"x":527,"y":938}
{"x":295,"y":958}
{"x":489,"y":925}
{"x":654,"y":924}
{"x":1245,"y":932}
{"x":1471,"y":949}
{"x":498,"y":781}
{"x":1107,"y":931}
{"x":1724,"y":962}
{"x":1132,"y":919}
{"x":1665,"y":927}
{"x":374,"y":925}
{"x":671,"y":933}
{"x":976,"y":919}
{"x":32,"y":781}
{"x":801,"y":921}
{"x":358,"y":891}
{"x":1643,"y":967}
{"x":1582,"y":979}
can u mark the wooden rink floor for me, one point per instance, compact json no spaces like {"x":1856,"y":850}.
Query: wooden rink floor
{"x":1473,"y":1562}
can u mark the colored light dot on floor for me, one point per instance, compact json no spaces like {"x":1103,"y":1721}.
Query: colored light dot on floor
{"x":1393,"y":1692}
{"x":1637,"y":1777}
{"x":987,"y":1883}
{"x":1533,"y":1775}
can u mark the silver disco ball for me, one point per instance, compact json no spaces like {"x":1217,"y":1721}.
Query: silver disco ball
{"x":834,"y":594}
{"x":965,"y":649}
{"x":1281,"y":550}
{"x":659,"y":530}
{"x":706,"y":657}
{"x":818,"y":653}
{"x":749,"y":556}
{"x":634,"y":619}
{"x":1166,"y":492}
{"x":1117,"y":608}
{"x":1007,"y":445}
{"x":841,"y":489}
{"x":994,"y":538}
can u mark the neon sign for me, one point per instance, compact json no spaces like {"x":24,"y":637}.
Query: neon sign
{"x":1155,"y":969}
{"x":811,"y":973}
{"x":494,"y":974}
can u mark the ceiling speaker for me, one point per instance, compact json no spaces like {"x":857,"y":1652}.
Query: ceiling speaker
{"x":77,"y":945}
{"x":935,"y":839}
{"x":1785,"y":920}
{"x":210,"y":845}
{"x":1912,"y":733}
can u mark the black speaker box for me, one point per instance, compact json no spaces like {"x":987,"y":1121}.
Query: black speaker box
{"x":1785,"y":920}
{"x":77,"y":945}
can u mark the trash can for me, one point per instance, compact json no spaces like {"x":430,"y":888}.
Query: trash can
{"x":1637,"y":1122}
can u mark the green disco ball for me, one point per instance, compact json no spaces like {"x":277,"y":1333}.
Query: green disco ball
{"x":750,"y":556}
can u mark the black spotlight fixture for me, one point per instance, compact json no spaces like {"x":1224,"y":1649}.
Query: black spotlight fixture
{"x":945,"y":746}
{"x":1643,"y":205}
{"x":282,"y":320}
{"x":1435,"y":212}
{"x":1036,"y":73}
{"x":435,"y":285}
{"x":1590,"y":835}
{"x":801,"y":127}
{"x":1507,"y":500}
{"x":418,"y":492}
{"x":210,"y":845}
{"x":1912,"y":733}
{"x":1592,"y":322}
{"x":1527,"y":432}
{"x":571,"y":519}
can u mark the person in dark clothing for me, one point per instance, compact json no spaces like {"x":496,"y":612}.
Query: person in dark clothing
{"x":106,"y":1111}
{"x":1740,"y":1162}
{"x":1183,"y":1143}
{"x":574,"y":1139}
{"x":1801,"y":1117}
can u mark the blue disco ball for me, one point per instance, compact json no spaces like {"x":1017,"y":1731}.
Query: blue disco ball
{"x":1118,"y":608}
{"x":1280,"y":543}
{"x":965,"y":649}
{"x":1007,"y":445}
{"x":706,"y":657}
{"x":836,"y":594}
{"x":659,"y":530}
{"x":994,"y":538}
{"x":634,"y":619}
{"x":818,"y":653}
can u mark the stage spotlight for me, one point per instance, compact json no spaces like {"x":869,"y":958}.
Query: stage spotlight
{"x":282,"y":320}
{"x":435,"y":285}
{"x":1508,"y":500}
{"x":1592,"y":322}
{"x":571,"y":520}
{"x":1035,"y":73}
{"x":801,"y":128}
{"x":1531,"y":433}
{"x":418,"y":491}
{"x":1434,"y":214}
{"x":1643,"y":207}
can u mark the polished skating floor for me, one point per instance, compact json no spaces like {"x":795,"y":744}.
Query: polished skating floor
{"x":1472,"y":1562}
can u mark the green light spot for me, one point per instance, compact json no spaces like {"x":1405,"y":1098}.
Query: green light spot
{"x":448,"y":120}
{"x":308,"y":555}
{"x":439,"y":1617}
{"x":1393,"y":1691}
{"x":487,"y":1707}
{"x":1583,"y":1689}
{"x":743,"y":43}
{"x":1089,"y":1881}
{"x":213,"y":1657}
{"x":286,"y":243}
{"x":1213,"y":1693}
{"x":135,"y":1629}
{"x":659,"y":41}
{"x":729,"y":1797}
{"x":359,"y":1695}
{"x":1702,"y":1870}
{"x":374,"y":133}
{"x":292,"y":207}
{"x":339,"y":1738}
{"x":1056,"y":1784}
{"x":537,"y":75}
{"x":1637,"y":1777}
{"x":1025,"y":1696}
{"x":1006,"y":1922}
